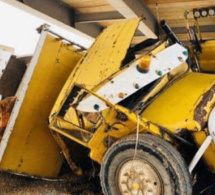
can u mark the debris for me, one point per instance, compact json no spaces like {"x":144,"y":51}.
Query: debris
{"x":19,"y":185}
{"x":6,"y":106}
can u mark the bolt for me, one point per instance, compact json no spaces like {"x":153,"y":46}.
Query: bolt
{"x":96,"y":107}
{"x":136,"y":86}
{"x":93,"y":130}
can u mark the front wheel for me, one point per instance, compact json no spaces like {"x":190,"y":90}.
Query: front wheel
{"x":157,"y":168}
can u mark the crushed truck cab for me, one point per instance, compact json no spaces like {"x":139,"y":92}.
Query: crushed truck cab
{"x":133,"y":112}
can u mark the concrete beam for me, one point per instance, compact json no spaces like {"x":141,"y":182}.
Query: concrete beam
{"x":64,"y":13}
{"x":98,"y":17}
{"x":88,"y":23}
{"x":92,"y":29}
{"x":136,"y":8}
{"x":53,"y":8}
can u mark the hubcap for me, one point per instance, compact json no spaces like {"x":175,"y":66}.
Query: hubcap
{"x":138,"y":177}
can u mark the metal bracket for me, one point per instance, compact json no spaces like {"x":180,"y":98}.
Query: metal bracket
{"x":200,"y":153}
{"x":47,"y":27}
{"x":206,"y":143}
{"x":44,"y":27}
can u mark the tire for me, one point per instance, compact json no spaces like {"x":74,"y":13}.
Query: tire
{"x":157,"y":168}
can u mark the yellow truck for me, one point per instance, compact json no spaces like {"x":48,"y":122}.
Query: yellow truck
{"x":133,"y":113}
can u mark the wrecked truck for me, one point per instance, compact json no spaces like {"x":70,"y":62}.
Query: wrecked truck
{"x":133,"y":112}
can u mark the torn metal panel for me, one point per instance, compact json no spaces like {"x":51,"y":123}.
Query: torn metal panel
{"x":66,"y":152}
{"x":120,"y":87}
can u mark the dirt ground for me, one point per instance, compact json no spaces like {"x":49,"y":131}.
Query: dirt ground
{"x":69,"y":184}
{"x":11,"y":184}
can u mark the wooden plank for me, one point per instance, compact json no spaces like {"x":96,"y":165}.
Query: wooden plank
{"x":89,"y":6}
{"x":148,"y":2}
{"x":182,"y":37}
{"x":104,"y":24}
{"x":96,"y":9}
{"x":138,"y":39}
{"x":85,"y":3}
{"x":182,"y":23}
{"x":169,"y":15}
{"x":173,"y":11}
{"x":205,"y":36}
{"x":170,"y":10}
{"x":183,"y":5}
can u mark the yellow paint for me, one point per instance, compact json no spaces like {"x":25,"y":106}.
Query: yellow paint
{"x":96,"y":143}
{"x":67,"y":154}
{"x":207,"y":57}
{"x":174,"y":108}
{"x":101,"y":60}
{"x":31,"y":149}
{"x":89,"y":74}
{"x":172,"y":76}
{"x":209,"y":155}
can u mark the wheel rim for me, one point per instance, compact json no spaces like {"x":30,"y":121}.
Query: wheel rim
{"x":138,"y":177}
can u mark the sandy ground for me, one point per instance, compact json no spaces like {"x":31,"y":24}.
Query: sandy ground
{"x":18,"y":185}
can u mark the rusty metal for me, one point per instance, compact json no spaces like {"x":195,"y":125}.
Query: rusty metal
{"x":200,"y":112}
